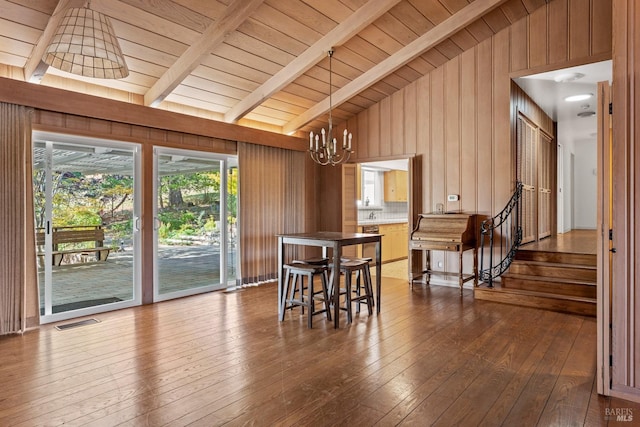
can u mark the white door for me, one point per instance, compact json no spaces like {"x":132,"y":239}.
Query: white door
{"x":86,"y":213}
{"x":194,"y":222}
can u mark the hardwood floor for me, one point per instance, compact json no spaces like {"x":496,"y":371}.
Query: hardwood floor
{"x":430,"y":358}
{"x":574,"y":241}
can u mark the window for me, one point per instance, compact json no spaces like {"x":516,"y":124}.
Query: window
{"x":371,"y":187}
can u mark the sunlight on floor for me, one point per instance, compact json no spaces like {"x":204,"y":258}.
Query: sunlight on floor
{"x":396,"y":270}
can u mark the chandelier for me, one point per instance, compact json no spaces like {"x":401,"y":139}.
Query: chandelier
{"x":85,"y":44}
{"x":327,"y":151}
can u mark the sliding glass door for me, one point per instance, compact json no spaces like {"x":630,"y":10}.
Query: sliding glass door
{"x":86,"y":215}
{"x":194,"y":222}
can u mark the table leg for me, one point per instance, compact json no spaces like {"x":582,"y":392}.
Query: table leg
{"x":337,"y":253}
{"x":378,"y":273}
{"x":280,"y":281}
{"x":460,"y":277}
{"x":427,"y":265}
{"x":475,"y":266}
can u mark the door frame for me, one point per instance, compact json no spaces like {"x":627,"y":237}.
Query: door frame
{"x":604,"y":243}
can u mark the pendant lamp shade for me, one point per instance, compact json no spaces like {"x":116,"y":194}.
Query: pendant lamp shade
{"x":85,"y":44}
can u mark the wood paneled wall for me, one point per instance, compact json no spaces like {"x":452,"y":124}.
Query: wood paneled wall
{"x":625,"y":292}
{"x":458,"y":116}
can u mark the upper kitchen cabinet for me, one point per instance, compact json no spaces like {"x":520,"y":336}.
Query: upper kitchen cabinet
{"x":395,"y":186}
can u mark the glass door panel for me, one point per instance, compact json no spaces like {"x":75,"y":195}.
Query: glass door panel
{"x":85,"y":214}
{"x":190,"y":223}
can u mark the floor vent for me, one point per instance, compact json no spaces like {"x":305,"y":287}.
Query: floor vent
{"x":77,"y":324}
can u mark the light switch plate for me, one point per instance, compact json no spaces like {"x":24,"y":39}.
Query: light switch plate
{"x":453,"y":198}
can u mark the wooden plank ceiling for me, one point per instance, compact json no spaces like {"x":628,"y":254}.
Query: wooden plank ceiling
{"x":260,"y":63}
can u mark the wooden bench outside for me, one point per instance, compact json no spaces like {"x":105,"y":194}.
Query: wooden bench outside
{"x":77,"y":234}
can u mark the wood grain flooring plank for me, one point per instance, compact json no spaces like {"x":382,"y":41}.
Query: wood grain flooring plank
{"x":390,"y":347}
{"x":430,"y":356}
{"x":442,"y":368}
{"x":497,"y":412}
{"x":257,"y":382}
{"x":569,"y":400}
{"x":531,"y":403}
{"x":460,"y":373}
{"x":368,"y":384}
{"x":486,"y":388}
{"x":596,"y":414}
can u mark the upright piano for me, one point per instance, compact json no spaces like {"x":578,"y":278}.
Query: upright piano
{"x":452,"y":232}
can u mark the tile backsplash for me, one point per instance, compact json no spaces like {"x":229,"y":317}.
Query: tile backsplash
{"x":388,"y":211}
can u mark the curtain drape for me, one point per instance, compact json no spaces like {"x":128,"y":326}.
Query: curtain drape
{"x":18,"y":274}
{"x":272,"y":201}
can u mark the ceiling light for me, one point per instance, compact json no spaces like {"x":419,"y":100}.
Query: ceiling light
{"x":580,"y":97}
{"x":329,"y":153}
{"x":586,"y":113}
{"x":85,"y":44}
{"x":568,"y":77}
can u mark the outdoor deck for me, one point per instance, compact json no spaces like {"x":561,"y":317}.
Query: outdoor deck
{"x":95,"y":283}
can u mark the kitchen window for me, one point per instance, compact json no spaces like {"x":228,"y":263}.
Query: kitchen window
{"x":371,"y":187}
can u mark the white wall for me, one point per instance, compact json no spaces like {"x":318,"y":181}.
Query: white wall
{"x":585,"y":181}
{"x":580,"y":202}
{"x":565,"y":182}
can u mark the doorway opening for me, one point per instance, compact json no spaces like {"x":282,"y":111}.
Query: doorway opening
{"x":576,"y":135}
{"x":382,"y":205}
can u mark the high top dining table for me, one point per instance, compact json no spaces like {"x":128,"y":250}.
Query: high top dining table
{"x":335,"y":241}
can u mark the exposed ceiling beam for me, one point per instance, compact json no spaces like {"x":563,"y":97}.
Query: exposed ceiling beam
{"x":214,"y":35}
{"x":35,"y":68}
{"x":432,"y":38}
{"x":344,"y":31}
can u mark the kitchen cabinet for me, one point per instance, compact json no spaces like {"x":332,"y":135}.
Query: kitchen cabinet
{"x":395,"y":186}
{"x":395,"y":241}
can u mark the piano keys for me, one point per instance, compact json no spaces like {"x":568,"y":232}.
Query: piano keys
{"x":454,"y":232}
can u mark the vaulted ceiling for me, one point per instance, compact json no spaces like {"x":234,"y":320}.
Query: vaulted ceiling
{"x":260,"y":63}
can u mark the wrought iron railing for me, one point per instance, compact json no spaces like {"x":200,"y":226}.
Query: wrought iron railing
{"x":504,"y":235}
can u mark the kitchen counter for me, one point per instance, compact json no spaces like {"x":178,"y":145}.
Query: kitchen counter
{"x":382,"y":221}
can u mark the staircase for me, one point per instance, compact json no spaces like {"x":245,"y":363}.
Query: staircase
{"x":556,"y":281}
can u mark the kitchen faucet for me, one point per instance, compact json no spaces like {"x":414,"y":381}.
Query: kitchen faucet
{"x":372,"y":215}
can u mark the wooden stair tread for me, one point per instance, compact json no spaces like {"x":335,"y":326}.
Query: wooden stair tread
{"x":559,"y":280}
{"x":584,"y":306}
{"x":555,"y":264}
{"x":542,"y":251}
{"x":537,"y":293}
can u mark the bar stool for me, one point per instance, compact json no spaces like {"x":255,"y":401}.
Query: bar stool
{"x":361,"y":282}
{"x":301,"y":295}
{"x":321,"y":261}
{"x":361,"y":293}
